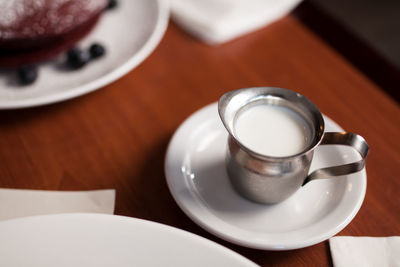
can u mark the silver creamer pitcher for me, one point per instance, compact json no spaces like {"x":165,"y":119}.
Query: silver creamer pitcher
{"x":266,"y":179}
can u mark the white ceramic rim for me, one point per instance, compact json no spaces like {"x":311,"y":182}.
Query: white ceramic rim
{"x":139,"y":57}
{"x":145,"y":223}
{"x":216,"y":226}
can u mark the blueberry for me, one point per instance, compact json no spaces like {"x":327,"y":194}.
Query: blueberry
{"x":112,"y":4}
{"x":77,"y":58}
{"x":96,"y":50}
{"x":27,"y":74}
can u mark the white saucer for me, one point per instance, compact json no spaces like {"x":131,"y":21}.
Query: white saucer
{"x":197,"y":179}
{"x":106,"y":240}
{"x":130,"y":32}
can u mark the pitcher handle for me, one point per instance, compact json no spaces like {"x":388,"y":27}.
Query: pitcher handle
{"x":341,"y":138}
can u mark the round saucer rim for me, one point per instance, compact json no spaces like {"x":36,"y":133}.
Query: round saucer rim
{"x":238,"y":240}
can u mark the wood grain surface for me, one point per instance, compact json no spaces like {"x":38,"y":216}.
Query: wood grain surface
{"x":117,"y":137}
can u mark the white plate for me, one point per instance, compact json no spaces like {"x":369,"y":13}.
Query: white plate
{"x":129,"y":32}
{"x":197,"y":179}
{"x":106,"y":240}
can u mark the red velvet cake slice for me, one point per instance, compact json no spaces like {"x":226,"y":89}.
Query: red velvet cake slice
{"x":36,"y":30}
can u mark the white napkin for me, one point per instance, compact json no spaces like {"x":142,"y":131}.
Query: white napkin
{"x":217,"y":21}
{"x":365,"y":251}
{"x":20,"y":203}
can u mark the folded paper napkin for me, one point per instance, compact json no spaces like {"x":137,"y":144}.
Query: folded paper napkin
{"x":16,"y":203}
{"x":217,"y":21}
{"x":365,"y":251}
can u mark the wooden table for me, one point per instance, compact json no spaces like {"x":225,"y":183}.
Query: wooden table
{"x":117,"y":137}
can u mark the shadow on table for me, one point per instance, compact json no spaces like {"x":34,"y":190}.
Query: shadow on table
{"x":152,"y":191}
{"x":360,"y":53}
{"x":26,"y":115}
